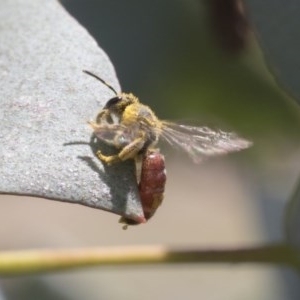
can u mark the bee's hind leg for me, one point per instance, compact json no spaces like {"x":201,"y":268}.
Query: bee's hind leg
{"x":130,"y":151}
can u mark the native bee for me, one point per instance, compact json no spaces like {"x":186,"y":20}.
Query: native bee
{"x":134,"y":129}
{"x":151,"y":185}
{"x":138,"y":129}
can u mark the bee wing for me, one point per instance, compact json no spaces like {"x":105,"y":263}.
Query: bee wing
{"x":201,"y":142}
{"x":114,"y":134}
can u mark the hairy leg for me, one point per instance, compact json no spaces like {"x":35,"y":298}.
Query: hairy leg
{"x":130,"y":151}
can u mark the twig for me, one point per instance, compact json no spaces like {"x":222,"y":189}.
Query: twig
{"x":14,"y":263}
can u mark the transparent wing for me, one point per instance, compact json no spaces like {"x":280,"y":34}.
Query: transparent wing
{"x":115,"y":134}
{"x":200,"y":142}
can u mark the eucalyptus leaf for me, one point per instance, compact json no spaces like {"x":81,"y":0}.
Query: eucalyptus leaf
{"x":47,"y":148}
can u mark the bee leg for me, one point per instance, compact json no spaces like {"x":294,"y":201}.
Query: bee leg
{"x":98,"y":127}
{"x":104,"y":116}
{"x":130,"y":151}
{"x":108,"y":159}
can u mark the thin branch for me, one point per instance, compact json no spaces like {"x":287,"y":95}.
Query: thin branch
{"x":13,"y":263}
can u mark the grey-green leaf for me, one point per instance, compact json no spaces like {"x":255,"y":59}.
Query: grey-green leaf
{"x":46,"y":146}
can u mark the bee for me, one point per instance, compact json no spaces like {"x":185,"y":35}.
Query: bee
{"x":151,"y":186}
{"x":134,"y":129}
{"x":137,"y":129}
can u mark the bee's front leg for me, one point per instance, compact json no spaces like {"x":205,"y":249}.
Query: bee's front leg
{"x":103,"y":127}
{"x":104,"y":116}
{"x":130,"y":151}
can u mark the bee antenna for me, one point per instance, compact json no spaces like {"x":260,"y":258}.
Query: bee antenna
{"x":100,"y":79}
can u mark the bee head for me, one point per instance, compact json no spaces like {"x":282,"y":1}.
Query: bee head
{"x":120,"y":102}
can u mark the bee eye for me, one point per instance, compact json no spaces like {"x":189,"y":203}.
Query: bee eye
{"x":112,"y":102}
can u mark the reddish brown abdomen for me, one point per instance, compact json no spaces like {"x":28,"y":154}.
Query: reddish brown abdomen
{"x":152,"y":182}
